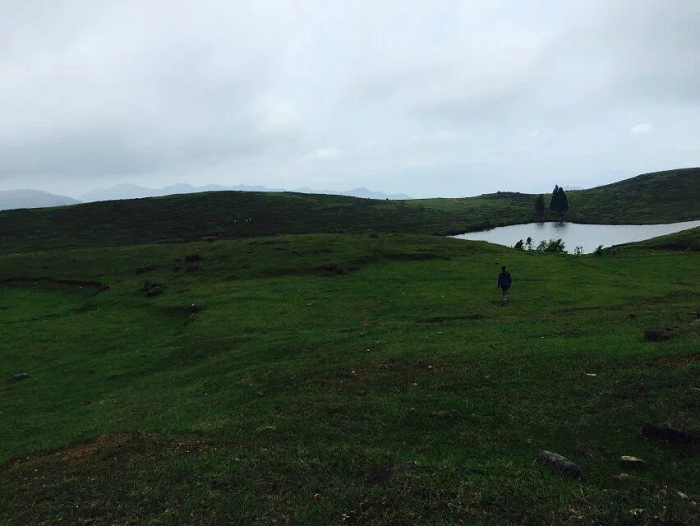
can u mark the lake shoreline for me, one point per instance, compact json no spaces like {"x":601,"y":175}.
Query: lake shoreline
{"x":585,"y":237}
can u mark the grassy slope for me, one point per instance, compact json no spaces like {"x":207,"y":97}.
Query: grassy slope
{"x":274,"y":403}
{"x":208,"y":215}
{"x":662,"y":197}
{"x":687,"y":240}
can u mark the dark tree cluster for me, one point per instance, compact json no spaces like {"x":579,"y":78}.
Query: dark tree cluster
{"x":559,"y":203}
{"x":539,"y":205}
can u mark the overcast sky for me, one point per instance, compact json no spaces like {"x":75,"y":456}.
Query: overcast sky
{"x":423,"y":98}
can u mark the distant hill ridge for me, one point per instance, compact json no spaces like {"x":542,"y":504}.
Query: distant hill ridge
{"x":132,"y":191}
{"x":664,"y":197}
{"x":25,"y":198}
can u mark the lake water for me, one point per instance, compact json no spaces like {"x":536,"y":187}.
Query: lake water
{"x":575,"y":234}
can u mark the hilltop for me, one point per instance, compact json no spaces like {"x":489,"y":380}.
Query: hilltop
{"x":131,"y":191}
{"x":659,"y":197}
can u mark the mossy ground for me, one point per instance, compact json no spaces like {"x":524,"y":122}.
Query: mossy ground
{"x":312,"y":362}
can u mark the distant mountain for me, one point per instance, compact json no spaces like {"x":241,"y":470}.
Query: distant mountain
{"x":132,"y":191}
{"x":12,"y":199}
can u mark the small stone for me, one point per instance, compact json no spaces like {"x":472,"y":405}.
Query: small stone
{"x":18,"y":377}
{"x":630,"y":462}
{"x":560,"y":464}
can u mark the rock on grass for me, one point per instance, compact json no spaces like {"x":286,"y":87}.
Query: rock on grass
{"x":383,"y":476}
{"x":669,"y":434}
{"x":560,"y":464}
{"x":658,"y":334}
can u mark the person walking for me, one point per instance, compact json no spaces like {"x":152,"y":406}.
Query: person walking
{"x":504,"y":282}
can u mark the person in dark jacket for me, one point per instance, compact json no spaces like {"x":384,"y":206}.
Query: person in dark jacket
{"x":504,"y":282}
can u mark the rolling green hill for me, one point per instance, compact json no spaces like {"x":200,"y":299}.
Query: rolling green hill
{"x":651,"y":198}
{"x":660,"y":197}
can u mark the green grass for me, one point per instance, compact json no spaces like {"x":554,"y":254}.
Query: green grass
{"x":313,"y":361}
{"x":651,"y":198}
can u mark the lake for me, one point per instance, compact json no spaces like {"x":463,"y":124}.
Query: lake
{"x":574,"y":234}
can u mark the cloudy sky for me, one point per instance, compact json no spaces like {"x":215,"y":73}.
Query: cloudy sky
{"x":424,"y":98}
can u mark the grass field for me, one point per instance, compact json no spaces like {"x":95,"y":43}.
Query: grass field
{"x":342,"y":378}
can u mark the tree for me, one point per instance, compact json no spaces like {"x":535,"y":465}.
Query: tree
{"x":559,"y":202}
{"x":539,"y":205}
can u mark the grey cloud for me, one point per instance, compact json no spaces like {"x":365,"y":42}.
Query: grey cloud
{"x":85,"y":154}
{"x":256,"y":92}
{"x":136,"y":88}
{"x":631,"y":52}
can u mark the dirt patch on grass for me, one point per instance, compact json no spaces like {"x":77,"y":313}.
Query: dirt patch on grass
{"x":114,"y":479}
{"x":75,"y":452}
{"x":366,"y":376}
{"x":102,"y":444}
{"x":110,"y":446}
{"x":675,"y":360}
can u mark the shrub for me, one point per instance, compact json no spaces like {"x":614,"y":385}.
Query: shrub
{"x":555,"y":246}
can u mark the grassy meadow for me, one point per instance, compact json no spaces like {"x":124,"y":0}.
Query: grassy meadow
{"x":345,"y":379}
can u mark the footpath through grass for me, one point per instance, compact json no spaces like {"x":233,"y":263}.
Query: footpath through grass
{"x":329,"y":379}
